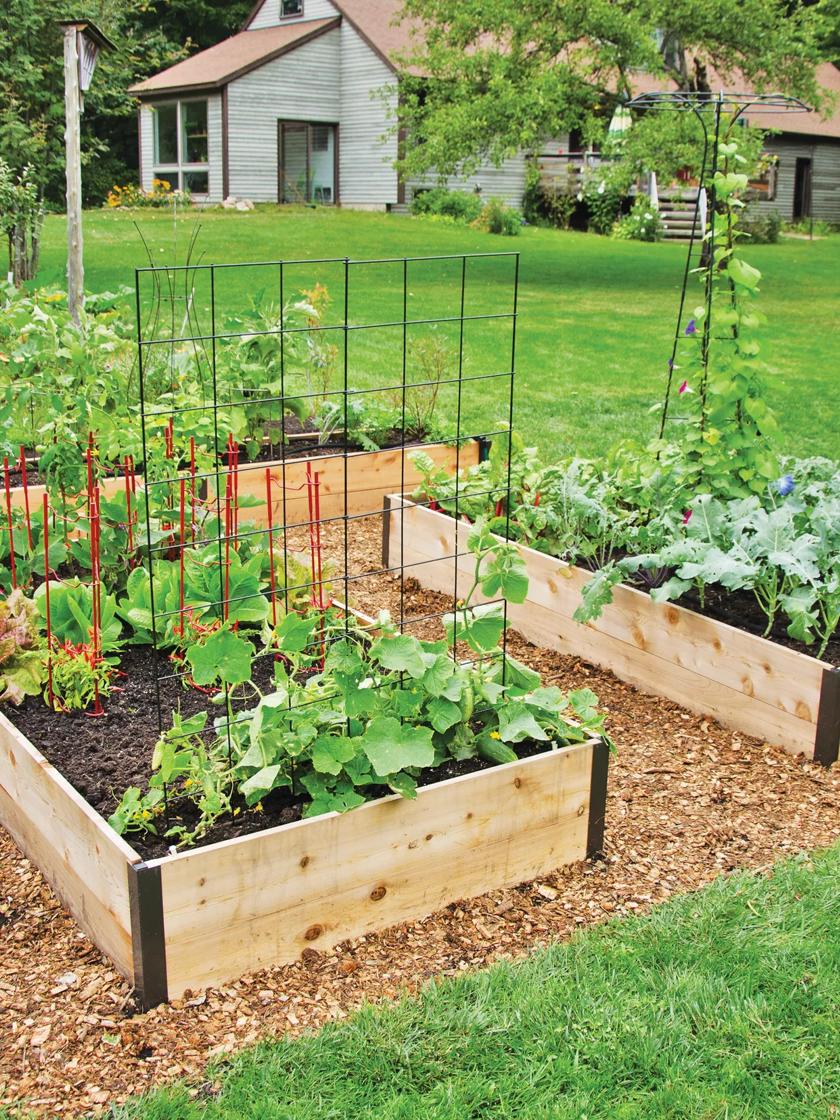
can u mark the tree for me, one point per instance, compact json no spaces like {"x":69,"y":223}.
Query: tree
{"x":488,"y":78}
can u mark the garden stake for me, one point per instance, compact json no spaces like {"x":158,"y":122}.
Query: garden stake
{"x":183,"y":535}
{"x":271,"y":544}
{"x":9,"y":517}
{"x":311,"y":504}
{"x":320,"y":566}
{"x":47,"y":598}
{"x":25,"y":494}
{"x":129,"y":514}
{"x":228,"y":495}
{"x":192,"y":488}
{"x":98,"y":710}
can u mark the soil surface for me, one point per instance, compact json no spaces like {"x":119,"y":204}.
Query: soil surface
{"x":688,"y":800}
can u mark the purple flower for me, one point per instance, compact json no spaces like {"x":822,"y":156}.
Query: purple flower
{"x":689,"y":513}
{"x":691,"y":327}
{"x":785,"y":485}
{"x":670,"y":363}
{"x":683,"y":388}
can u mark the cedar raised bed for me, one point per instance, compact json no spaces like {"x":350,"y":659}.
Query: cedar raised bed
{"x":370,"y":476}
{"x":746,"y":682}
{"x":207,"y":915}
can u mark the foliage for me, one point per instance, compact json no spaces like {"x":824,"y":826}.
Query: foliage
{"x":441,"y":202}
{"x":21,"y":219}
{"x":492,"y":79}
{"x":761,"y":229}
{"x":348,"y":716}
{"x":497,"y":217}
{"x":78,"y":677}
{"x":21,"y":659}
{"x":602,"y":197}
{"x":641,"y":224}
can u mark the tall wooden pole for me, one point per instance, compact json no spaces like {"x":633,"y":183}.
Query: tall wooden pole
{"x":72,"y":138}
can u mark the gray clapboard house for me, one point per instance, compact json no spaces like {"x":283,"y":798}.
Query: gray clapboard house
{"x":296,"y":107}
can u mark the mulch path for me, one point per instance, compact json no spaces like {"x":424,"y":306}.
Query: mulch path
{"x":688,"y":800}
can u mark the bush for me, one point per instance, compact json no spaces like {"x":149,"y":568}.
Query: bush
{"x":458,"y":205}
{"x":643,"y":223}
{"x":603,"y":203}
{"x":763,"y":229}
{"x":496,"y":217}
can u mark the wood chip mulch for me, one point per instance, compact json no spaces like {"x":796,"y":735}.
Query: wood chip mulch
{"x":688,"y":800}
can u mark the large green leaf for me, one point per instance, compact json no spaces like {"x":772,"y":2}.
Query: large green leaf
{"x":223,"y":657}
{"x":402,"y":653}
{"x":392,"y":746}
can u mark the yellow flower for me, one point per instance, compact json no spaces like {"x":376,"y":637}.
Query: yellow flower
{"x":258,"y":808}
{"x":495,"y":735}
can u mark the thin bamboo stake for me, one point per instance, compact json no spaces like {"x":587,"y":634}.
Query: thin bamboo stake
{"x":25,"y":494}
{"x":9,"y":518}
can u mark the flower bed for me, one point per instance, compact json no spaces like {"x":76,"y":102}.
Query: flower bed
{"x":745,"y":681}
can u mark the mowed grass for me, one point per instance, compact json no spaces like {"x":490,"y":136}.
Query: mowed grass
{"x":721,"y":1005}
{"x":595,"y":325}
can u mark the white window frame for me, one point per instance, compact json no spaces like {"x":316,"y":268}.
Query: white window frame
{"x":177,"y":171}
{"x":291,"y":15}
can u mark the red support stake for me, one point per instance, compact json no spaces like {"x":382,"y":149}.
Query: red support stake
{"x":236,"y":496}
{"x":89,"y":458}
{"x":311,"y":503}
{"x":320,"y":564}
{"x":271,"y":544}
{"x":183,"y":540}
{"x":47,"y":598}
{"x":97,"y":602}
{"x":192,"y":488}
{"x":25,"y":495}
{"x":128,"y":510}
{"x":228,"y":496}
{"x":9,"y":518}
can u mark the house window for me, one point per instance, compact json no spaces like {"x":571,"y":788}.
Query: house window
{"x":291,"y":8}
{"x":181,"y":145}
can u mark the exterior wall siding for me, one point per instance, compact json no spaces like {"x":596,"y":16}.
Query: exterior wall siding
{"x":506,"y":182}
{"x":825,"y":175}
{"x":147,"y":146}
{"x":269,"y":13}
{"x":302,"y":85}
{"x":214,"y":148}
{"x":367,"y":178}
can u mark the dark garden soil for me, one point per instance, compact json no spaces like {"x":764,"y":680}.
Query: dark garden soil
{"x":101,"y":756}
{"x":740,"y":609}
{"x":688,"y":800}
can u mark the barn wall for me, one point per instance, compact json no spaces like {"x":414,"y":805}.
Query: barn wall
{"x":825,"y":181}
{"x":506,"y":182}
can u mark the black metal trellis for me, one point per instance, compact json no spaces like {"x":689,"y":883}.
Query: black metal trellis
{"x":709,"y":109}
{"x":480,"y":293}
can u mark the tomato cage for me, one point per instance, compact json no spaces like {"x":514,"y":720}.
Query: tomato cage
{"x":281,"y":403}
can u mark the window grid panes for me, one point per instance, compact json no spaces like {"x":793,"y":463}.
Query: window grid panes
{"x":291,"y":8}
{"x":181,"y":145}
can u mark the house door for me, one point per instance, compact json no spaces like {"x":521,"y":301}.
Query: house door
{"x":307,"y":162}
{"x":802,"y":189}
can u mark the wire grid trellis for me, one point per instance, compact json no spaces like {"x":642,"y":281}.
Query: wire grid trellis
{"x":167,"y":333}
{"x":709,"y":109}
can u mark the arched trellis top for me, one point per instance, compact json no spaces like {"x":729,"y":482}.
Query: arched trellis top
{"x":709,"y":108}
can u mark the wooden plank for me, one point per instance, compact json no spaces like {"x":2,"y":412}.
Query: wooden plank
{"x":110,"y":488}
{"x":370,"y":475}
{"x":83,"y":859}
{"x":262,"y":899}
{"x":746,"y":682}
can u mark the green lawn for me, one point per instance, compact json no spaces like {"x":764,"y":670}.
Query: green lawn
{"x":720,"y":1005}
{"x":596,"y":320}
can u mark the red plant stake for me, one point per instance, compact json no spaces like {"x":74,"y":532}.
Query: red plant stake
{"x":228,"y":496}
{"x":235,"y":513}
{"x":183,"y":537}
{"x":310,"y":497}
{"x":9,"y":518}
{"x":47,"y":597}
{"x":271,"y":544}
{"x":129,"y":514}
{"x":192,"y":488}
{"x":25,"y":494}
{"x":320,"y":560}
{"x":95,"y":655}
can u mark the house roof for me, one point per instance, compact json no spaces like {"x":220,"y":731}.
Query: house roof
{"x":233,"y":57}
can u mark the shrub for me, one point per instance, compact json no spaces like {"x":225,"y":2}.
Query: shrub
{"x":497,"y":217}
{"x":21,"y":219}
{"x":763,"y":229}
{"x":458,"y":205}
{"x":603,"y":202}
{"x":643,"y":223}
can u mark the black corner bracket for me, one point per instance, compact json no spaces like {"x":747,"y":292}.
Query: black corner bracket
{"x":827,"y":739}
{"x":598,"y":800}
{"x":147,"y":934}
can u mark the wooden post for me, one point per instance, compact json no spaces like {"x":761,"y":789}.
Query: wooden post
{"x":72,"y":138}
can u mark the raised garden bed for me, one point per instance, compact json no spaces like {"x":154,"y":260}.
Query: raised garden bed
{"x":370,"y":475}
{"x":746,"y":682}
{"x":205,"y":916}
